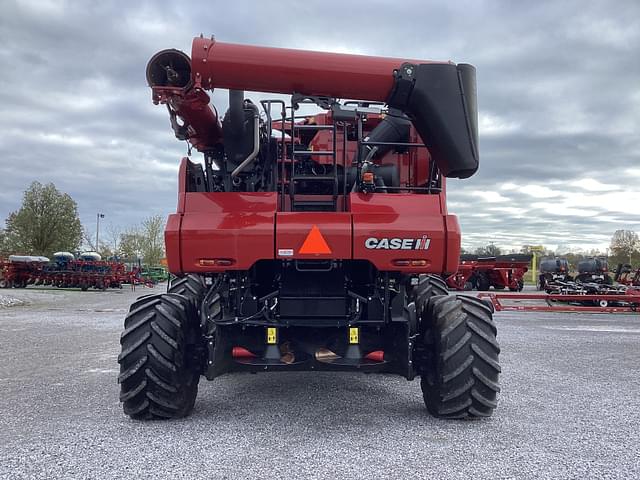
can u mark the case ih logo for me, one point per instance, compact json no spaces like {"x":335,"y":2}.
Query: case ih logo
{"x":373,"y":243}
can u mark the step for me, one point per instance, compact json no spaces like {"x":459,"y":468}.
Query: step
{"x":313,"y":127}
{"x":322,"y":178}
{"x":325,"y":153}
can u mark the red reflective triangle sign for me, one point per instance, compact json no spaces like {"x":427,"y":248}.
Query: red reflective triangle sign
{"x":315,"y":242}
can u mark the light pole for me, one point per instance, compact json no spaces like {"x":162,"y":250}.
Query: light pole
{"x":98,"y":217}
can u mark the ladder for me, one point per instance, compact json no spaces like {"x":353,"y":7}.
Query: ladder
{"x":306,"y":202}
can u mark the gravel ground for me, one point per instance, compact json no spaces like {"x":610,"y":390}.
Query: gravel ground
{"x":569,"y":407}
{"x":8,"y":301}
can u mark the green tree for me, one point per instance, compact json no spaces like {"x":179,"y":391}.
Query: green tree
{"x":46,"y":222}
{"x":4,"y":250}
{"x":131,"y":242}
{"x":624,"y":248}
{"x":152,"y":230}
{"x":490,"y":250}
{"x":144,"y":241}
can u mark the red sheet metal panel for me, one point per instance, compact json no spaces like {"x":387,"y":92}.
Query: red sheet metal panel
{"x":313,"y":235}
{"x":389,"y":229}
{"x":238,"y":227}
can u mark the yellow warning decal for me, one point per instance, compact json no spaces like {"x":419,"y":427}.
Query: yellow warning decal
{"x":353,"y":335}
{"x":272,"y":337}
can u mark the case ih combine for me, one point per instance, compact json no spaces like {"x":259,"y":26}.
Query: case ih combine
{"x":482,"y":273}
{"x":317,"y":242}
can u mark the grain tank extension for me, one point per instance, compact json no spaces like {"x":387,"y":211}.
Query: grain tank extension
{"x":313,"y":242}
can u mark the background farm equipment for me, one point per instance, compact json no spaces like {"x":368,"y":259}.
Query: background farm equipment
{"x":17,"y":269}
{"x":64,"y":271}
{"x":553,"y":269}
{"x":482,"y":273}
{"x":154,"y":274}
{"x":594,"y":270}
{"x":626,"y":275}
{"x":575,"y":297}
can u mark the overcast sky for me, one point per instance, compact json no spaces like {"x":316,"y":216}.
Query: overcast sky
{"x":558,"y":86}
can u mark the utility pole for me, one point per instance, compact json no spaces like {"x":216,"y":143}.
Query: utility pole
{"x":98,"y":217}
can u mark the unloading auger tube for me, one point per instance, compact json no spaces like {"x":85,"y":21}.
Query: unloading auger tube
{"x":438,"y":97}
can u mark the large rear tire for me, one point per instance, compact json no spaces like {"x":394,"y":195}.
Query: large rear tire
{"x":427,"y":287}
{"x":461,"y":369}
{"x":191,"y":286}
{"x":158,"y":378}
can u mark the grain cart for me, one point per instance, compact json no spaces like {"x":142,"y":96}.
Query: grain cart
{"x":500,"y":272}
{"x":465,"y":277}
{"x":313,"y":242}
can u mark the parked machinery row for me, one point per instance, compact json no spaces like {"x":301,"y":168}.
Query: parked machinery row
{"x":593,"y":278}
{"x":86,"y":271}
{"x":555,"y":274}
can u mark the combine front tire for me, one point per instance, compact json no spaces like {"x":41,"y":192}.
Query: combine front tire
{"x":460,"y":371}
{"x":158,"y":378}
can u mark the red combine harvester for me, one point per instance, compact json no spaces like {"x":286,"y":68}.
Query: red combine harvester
{"x":482,"y":273}
{"x":313,"y":242}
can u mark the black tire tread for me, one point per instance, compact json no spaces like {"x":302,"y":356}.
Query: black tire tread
{"x":155,"y":379}
{"x":191,"y":286}
{"x":428,"y":286}
{"x":460,"y":379}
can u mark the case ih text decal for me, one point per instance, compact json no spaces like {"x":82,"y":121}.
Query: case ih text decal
{"x":384,"y":243}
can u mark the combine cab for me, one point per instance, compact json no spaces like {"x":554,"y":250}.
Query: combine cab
{"x":553,"y":270}
{"x":313,"y":242}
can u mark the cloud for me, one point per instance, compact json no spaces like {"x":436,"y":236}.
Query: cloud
{"x":558,"y":93}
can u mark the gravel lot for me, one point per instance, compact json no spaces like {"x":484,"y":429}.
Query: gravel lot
{"x":570,"y":407}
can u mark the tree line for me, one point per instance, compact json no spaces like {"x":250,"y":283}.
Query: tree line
{"x":48,"y":222}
